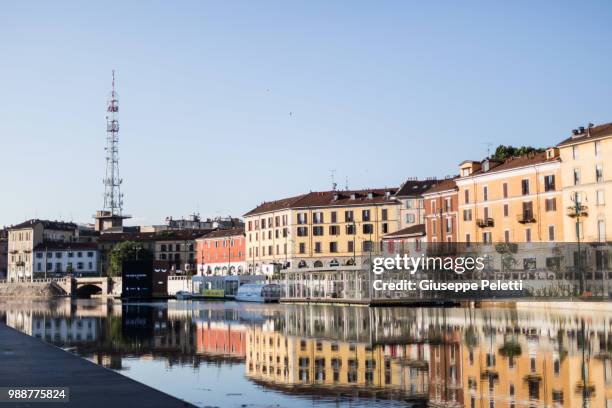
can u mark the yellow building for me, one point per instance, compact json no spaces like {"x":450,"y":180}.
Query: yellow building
{"x":515,"y":200}
{"x":301,"y":364}
{"x":587,"y":178}
{"x":319,"y":230}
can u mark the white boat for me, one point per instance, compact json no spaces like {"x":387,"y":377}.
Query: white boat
{"x":259,"y":292}
{"x":182,"y":295}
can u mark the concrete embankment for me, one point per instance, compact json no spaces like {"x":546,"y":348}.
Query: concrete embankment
{"x":30,"y":290}
{"x":29,"y":362}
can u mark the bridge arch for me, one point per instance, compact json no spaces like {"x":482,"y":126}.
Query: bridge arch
{"x":86,"y":291}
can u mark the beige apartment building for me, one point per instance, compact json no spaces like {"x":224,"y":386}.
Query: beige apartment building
{"x":586,"y":179}
{"x":24,"y":237}
{"x":319,"y":230}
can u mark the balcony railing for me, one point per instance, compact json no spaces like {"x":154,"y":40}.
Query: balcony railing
{"x":485,"y":222}
{"x":525,"y":218}
{"x":575,"y":211}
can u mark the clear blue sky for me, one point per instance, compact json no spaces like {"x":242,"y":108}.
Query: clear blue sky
{"x":380,"y":91}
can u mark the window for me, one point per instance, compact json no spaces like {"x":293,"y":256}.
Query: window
{"x":486,"y":212}
{"x":368,"y":229}
{"x":506,"y":236}
{"x":409,"y":203}
{"x":574,"y":152}
{"x":384,"y":214}
{"x":333,"y":247}
{"x":302,"y":231}
{"x":350,"y":229}
{"x":351,"y":246}
{"x":348,"y":216}
{"x":409,"y":218}
{"x":367,"y":246}
{"x":527,"y":211}
{"x":597,"y":148}
{"x":433,"y":206}
{"x":601,"y":230}
{"x":317,"y":231}
{"x":448,"y":205}
{"x":525,"y":186}
{"x":466,"y":197}
{"x":334,"y":217}
{"x":467,"y":215}
{"x":485,"y":193}
{"x":467,"y":239}
{"x":39,"y":255}
{"x":576,"y":177}
{"x":550,"y":204}
{"x":302,"y":248}
{"x":302,"y":218}
{"x":365,"y":215}
{"x":506,"y":210}
{"x":317,"y":247}
{"x":551,"y":232}
{"x":317,"y":218}
{"x":599,"y":173}
{"x":334,"y":230}
{"x":385,"y":227}
{"x":505,"y":190}
{"x":549,"y":182}
{"x":600,"y":197}
{"x":528,"y":235}
{"x":449,"y":225}
{"x":486,"y":237}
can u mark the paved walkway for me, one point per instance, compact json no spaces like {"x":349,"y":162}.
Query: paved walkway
{"x":28,"y":362}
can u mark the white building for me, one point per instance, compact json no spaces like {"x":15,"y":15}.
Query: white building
{"x":61,"y":258}
{"x":24,"y":237}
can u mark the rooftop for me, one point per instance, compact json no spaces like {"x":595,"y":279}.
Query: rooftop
{"x":415,"y":187}
{"x":515,"y":162}
{"x":331,"y":198}
{"x":60,"y":246}
{"x":589,"y":133}
{"x":417,"y":230}
{"x":221,"y":233}
{"x":47,"y":224}
{"x":444,"y":185}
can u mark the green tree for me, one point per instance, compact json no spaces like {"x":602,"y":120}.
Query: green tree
{"x":504,"y":152}
{"x":126,"y":251}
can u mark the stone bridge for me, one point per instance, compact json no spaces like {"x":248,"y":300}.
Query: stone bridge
{"x":76,"y":287}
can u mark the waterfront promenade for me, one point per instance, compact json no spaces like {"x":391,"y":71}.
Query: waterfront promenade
{"x":28,"y":362}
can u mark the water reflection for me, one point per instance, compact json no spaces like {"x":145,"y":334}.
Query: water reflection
{"x":339,"y":355}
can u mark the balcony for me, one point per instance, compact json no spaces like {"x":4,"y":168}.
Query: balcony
{"x":577,"y":210}
{"x":485,"y":222}
{"x":525,"y":218}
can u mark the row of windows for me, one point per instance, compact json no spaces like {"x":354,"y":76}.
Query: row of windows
{"x":350,"y":229}
{"x":333,"y":247}
{"x":550,"y":205}
{"x":349,"y":216}
{"x":576,"y":150}
{"x":270,"y":222}
{"x":58,"y":267}
{"x":58,"y":255}
{"x":549,"y":185}
{"x":599,"y":175}
{"x":177,"y":247}
{"x":487,"y":236}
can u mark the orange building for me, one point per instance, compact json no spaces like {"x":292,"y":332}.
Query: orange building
{"x":221,"y":339}
{"x":221,"y":252}
{"x":441,"y":203}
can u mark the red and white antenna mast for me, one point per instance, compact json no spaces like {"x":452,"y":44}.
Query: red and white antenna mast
{"x":113,"y":198}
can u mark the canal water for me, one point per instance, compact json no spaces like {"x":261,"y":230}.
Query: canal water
{"x":227,"y":354}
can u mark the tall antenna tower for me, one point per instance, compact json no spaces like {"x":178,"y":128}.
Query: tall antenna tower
{"x":113,"y":199}
{"x":112,"y":215}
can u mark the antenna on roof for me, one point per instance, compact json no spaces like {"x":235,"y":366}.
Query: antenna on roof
{"x":488,"y":144}
{"x":346,"y":183}
{"x":333,"y":179}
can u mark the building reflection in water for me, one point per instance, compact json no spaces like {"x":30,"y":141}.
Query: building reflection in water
{"x":473,"y":358}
